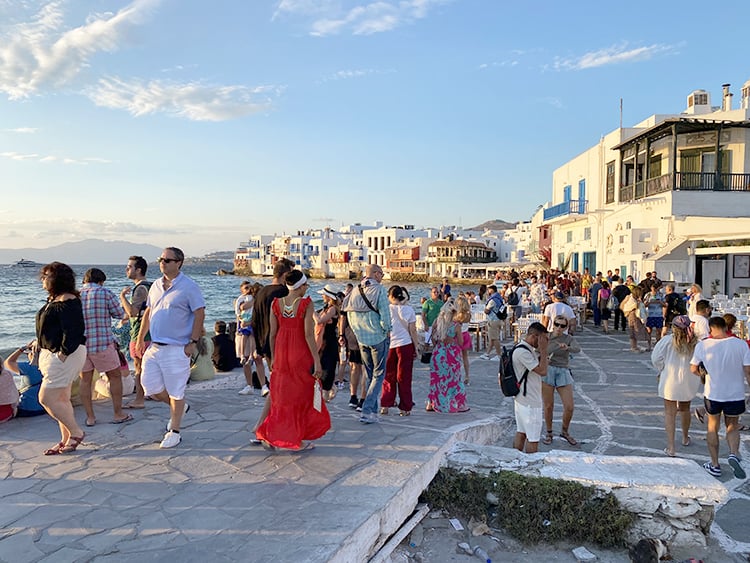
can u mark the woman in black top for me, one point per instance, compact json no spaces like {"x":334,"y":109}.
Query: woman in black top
{"x":60,"y":332}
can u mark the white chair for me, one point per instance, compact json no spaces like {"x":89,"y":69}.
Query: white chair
{"x":478,"y":326}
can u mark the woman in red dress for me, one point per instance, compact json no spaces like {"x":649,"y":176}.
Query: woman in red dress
{"x":298,"y":414}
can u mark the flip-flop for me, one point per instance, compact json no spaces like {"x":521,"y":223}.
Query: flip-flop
{"x":743,"y":428}
{"x":567,"y":437}
{"x":666,"y":451}
{"x":132,"y":406}
{"x":547,"y":439}
{"x":128,"y":418}
{"x":686,"y":442}
{"x":90,"y":424}
{"x":307,"y":446}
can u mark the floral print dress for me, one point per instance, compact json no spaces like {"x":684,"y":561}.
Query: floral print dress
{"x":447,"y":392}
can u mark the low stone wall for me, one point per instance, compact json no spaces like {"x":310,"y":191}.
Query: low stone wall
{"x":674,"y":499}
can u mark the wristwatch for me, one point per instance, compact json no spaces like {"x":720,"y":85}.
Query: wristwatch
{"x":193,"y":342}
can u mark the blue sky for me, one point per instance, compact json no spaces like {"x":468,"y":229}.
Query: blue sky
{"x":193,"y":123}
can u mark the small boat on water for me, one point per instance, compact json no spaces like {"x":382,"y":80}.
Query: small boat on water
{"x":23,"y":263}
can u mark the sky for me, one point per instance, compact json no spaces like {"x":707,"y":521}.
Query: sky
{"x":196,"y":124}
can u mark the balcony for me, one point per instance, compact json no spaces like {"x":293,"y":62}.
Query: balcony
{"x":573,"y":207}
{"x":685,"y":181}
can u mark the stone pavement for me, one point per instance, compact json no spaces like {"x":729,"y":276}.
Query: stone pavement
{"x":216,"y":496}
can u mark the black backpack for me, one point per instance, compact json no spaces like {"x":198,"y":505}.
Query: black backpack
{"x":512,"y":298}
{"x":506,"y":376}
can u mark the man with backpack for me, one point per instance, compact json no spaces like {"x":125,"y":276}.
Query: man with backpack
{"x":134,"y":308}
{"x":497,"y":313}
{"x":530,"y":361}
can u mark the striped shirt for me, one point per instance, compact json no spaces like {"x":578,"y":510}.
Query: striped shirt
{"x":100,"y":306}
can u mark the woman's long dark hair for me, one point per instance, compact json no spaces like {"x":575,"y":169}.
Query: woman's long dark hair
{"x":61,"y":278}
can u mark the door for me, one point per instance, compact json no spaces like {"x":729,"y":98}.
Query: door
{"x":589,"y":261}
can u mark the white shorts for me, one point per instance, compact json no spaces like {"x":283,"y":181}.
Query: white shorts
{"x":165,"y":366}
{"x":529,"y":421}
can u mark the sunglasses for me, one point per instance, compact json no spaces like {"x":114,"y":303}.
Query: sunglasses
{"x":166,"y":260}
{"x":561,"y":325}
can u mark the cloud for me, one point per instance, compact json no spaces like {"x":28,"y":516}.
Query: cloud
{"x":363,"y":19}
{"x":355,"y":73}
{"x":498,"y":64}
{"x":192,"y":100}
{"x":22,"y":130}
{"x":616,"y":54}
{"x":52,"y":158}
{"x":41,"y":53}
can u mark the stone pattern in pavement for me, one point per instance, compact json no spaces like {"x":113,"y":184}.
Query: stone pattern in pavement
{"x":217,"y":496}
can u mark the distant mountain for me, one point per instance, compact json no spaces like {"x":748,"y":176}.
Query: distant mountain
{"x":495,"y":225}
{"x":91,"y":251}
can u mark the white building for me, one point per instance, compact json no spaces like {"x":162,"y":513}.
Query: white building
{"x":661,"y":196}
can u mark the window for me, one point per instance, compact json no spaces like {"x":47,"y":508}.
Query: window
{"x":622,"y":239}
{"x":644,"y":237}
{"x":587,"y":233}
{"x":569,"y":236}
{"x":654,"y":166}
{"x":610,"y":195}
{"x":627,"y":225}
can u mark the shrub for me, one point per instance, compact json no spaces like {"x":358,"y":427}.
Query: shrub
{"x":533,"y":509}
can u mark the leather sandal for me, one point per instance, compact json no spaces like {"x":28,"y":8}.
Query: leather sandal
{"x":54,"y":450}
{"x":547,"y":440}
{"x":72,"y":445}
{"x":572,"y":441}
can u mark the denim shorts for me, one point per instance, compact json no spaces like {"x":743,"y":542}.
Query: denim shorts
{"x":558,"y":377}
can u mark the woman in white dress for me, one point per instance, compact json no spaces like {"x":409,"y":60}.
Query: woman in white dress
{"x":677,"y":384}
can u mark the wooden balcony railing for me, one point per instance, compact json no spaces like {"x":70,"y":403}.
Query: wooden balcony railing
{"x":691,"y":181}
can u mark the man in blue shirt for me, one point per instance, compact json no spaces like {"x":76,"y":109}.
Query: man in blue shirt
{"x":175,"y":311}
{"x":369,"y":315}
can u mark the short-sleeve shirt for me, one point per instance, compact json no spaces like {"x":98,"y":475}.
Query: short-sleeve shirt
{"x":100,"y":306}
{"x":724,"y":359}
{"x":526,"y":359}
{"x":431,"y":310}
{"x":172,"y":312}
{"x":558,"y":309}
{"x":401,"y":317}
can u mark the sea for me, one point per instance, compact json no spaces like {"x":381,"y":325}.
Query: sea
{"x":22,"y":296}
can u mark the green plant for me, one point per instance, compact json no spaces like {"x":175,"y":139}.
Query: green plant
{"x":533,"y":509}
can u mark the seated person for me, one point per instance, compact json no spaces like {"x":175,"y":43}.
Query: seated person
{"x":31,"y":380}
{"x":201,"y":366}
{"x":224,"y":357}
{"x":8,"y":394}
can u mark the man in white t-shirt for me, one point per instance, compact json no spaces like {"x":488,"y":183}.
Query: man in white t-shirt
{"x":700,"y":319}
{"x":726,"y":359}
{"x":558,"y":308}
{"x":530,"y":356}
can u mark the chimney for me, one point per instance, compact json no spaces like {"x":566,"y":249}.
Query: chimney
{"x":745,"y":103}
{"x":726,"y":98}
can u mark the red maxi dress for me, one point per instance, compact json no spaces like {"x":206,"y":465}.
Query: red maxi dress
{"x":292,"y":418}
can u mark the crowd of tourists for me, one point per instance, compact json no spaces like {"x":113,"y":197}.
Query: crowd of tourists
{"x":370,"y":336}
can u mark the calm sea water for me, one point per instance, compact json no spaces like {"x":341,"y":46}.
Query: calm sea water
{"x":22,"y":296}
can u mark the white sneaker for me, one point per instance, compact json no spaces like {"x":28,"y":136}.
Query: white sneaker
{"x":264,"y":390}
{"x":246,"y":390}
{"x":184,"y":412}
{"x":494,"y":358}
{"x":484,"y":357}
{"x":171,"y":439}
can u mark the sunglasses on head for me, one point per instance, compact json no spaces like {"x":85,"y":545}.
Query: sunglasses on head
{"x":561,"y":325}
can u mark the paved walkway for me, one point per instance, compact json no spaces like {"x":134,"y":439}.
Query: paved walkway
{"x":216,"y":496}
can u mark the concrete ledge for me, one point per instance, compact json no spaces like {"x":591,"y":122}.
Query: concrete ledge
{"x":407,"y":484}
{"x":674,"y":499}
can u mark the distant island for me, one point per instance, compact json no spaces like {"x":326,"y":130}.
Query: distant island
{"x":103,"y":252}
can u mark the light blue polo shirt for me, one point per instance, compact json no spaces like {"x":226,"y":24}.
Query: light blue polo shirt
{"x":172,"y":312}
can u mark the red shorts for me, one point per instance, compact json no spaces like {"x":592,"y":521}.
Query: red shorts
{"x":133,"y":353}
